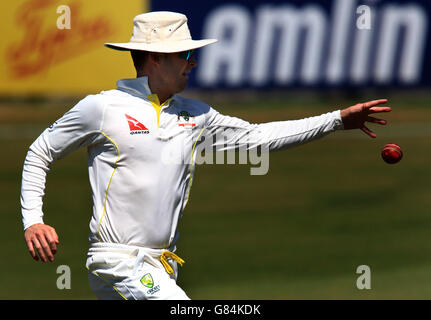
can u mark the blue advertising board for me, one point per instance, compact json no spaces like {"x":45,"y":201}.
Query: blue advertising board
{"x":309,"y":43}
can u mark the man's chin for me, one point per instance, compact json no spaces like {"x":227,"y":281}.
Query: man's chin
{"x":182,"y":87}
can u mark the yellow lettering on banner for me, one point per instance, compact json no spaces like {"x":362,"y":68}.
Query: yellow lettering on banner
{"x":56,"y":47}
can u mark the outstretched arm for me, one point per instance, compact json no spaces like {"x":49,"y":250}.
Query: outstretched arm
{"x":356,"y":116}
{"x":231,"y":132}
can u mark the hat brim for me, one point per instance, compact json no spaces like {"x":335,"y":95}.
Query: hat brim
{"x":161,"y":47}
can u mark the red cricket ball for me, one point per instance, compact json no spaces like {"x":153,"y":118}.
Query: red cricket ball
{"x":392,"y":153}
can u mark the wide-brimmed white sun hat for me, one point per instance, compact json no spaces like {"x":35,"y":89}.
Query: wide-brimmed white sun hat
{"x":160,"y":31}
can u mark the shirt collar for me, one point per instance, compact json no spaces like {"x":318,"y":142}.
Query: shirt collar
{"x":137,"y":87}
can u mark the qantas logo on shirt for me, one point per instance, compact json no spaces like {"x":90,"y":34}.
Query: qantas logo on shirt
{"x":135,"y":126}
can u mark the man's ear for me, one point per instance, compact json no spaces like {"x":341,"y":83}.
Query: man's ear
{"x":155,"y":57}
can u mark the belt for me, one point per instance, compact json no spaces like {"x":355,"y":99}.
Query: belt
{"x":160,"y":254}
{"x":170,"y":255}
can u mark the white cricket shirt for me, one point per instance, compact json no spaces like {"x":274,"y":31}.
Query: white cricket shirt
{"x":139,"y":186}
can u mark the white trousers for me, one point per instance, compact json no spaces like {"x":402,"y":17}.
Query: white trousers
{"x":118,"y":271}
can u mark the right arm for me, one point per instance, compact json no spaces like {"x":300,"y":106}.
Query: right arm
{"x":78,"y":127}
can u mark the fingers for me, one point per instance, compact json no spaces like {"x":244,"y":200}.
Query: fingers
{"x":31,"y":250}
{"x":42,"y":242}
{"x":379,"y":109}
{"x":371,"y":106}
{"x":36,"y":249}
{"x":40,"y":245}
{"x":376,"y":120}
{"x":368,"y":132}
{"x":53,"y":240}
{"x":373,"y":103}
{"x":372,"y":120}
{"x":356,"y":116}
{"x":48,"y":246}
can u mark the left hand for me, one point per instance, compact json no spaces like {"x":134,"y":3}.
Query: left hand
{"x":355,"y":116}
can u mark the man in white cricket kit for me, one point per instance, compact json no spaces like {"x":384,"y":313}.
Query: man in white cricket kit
{"x":138,"y":199}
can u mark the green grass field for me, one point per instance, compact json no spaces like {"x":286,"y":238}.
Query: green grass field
{"x":298,"y":232}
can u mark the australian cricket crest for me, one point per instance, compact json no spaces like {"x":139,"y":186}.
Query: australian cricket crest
{"x":186,"y":120}
{"x":147,"y":281}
